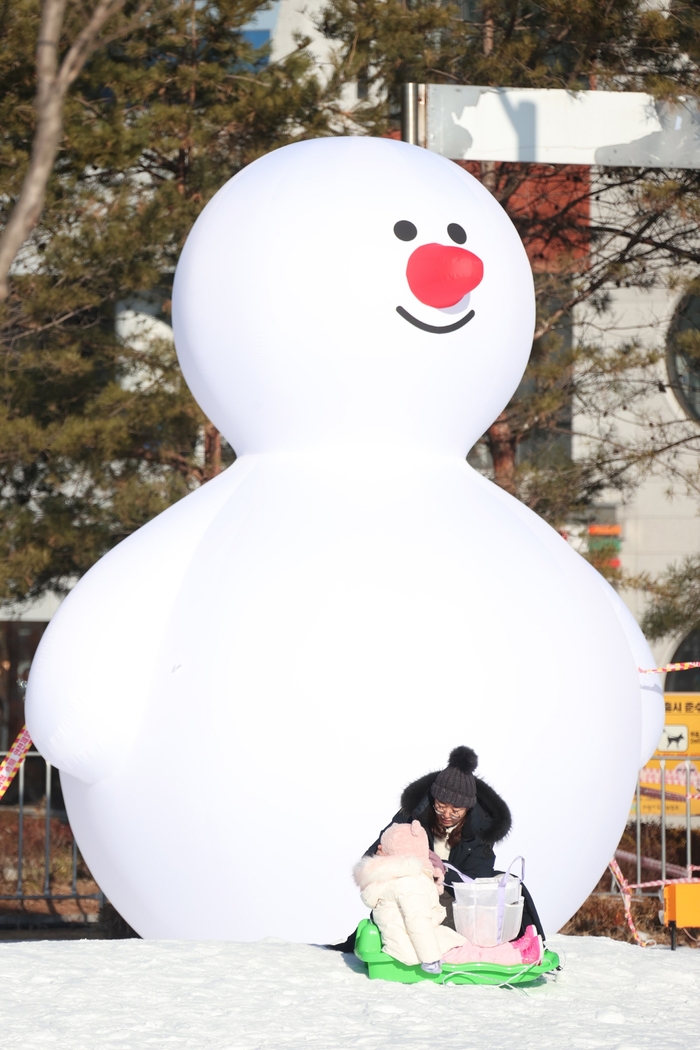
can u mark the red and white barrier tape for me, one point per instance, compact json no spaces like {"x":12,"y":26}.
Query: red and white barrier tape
{"x":14,"y":759}
{"x":626,"y":898}
{"x":669,"y":667}
{"x":626,"y":888}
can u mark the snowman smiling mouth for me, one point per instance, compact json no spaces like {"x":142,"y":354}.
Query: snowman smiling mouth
{"x":434,"y":327}
{"x":440,"y":275}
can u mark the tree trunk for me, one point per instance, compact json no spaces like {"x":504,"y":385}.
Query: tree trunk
{"x":212,"y":452}
{"x":488,"y":175}
{"x":502,"y":444}
{"x":499,"y":437}
{"x":488,"y":32}
{"x":488,"y":167}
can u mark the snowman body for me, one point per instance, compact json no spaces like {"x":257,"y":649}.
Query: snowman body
{"x":237,"y":693}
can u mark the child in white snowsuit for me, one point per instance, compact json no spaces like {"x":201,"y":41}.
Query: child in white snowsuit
{"x":400,"y":885}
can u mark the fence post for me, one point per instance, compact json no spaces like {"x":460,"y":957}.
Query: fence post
{"x":688,"y":822}
{"x":74,"y":872}
{"x":47,"y":834}
{"x":638,"y":814}
{"x":662,"y":763}
{"x":20,"y":831}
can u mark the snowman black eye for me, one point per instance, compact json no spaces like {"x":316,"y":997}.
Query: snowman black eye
{"x":405,"y":230}
{"x":457,"y":233}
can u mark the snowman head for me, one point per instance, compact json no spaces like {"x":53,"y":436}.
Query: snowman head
{"x":353,"y":292}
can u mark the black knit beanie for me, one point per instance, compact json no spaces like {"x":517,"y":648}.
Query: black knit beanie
{"x":455,"y":785}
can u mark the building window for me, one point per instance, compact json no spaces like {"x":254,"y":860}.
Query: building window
{"x":683,"y":355}
{"x":687,"y":652}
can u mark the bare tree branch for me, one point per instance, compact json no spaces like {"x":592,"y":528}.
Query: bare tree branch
{"x":53,"y":83}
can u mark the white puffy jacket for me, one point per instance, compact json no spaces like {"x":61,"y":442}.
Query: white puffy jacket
{"x":406,"y":907}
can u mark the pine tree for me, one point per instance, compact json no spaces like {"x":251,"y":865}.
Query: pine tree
{"x":98,"y":434}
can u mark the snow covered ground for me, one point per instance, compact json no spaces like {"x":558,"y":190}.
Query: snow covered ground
{"x":88,"y":995}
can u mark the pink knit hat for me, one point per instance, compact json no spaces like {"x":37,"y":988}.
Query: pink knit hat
{"x":410,"y":840}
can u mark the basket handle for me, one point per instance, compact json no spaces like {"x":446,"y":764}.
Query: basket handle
{"x":464,"y":878}
{"x":506,"y":873}
{"x":504,"y":880}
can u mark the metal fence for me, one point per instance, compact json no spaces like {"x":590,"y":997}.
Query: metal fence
{"x":661,"y":865}
{"x":20,"y":895}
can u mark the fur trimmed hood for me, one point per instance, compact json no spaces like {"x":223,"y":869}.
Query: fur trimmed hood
{"x":497,"y":820}
{"x":381,"y":869}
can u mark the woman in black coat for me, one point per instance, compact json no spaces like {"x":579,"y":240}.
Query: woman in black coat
{"x":463,"y":816}
{"x":464,"y":819}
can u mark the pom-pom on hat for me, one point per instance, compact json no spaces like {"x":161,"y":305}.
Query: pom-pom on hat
{"x":407,"y":840}
{"x":456,"y":785}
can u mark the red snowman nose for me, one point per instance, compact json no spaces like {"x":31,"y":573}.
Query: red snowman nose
{"x":440,"y":275}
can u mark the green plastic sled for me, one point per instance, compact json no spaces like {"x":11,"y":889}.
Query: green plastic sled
{"x":368,"y":948}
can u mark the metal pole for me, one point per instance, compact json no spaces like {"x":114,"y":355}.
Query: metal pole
{"x":409,"y":113}
{"x":688,"y":830}
{"x":20,"y":830}
{"x":47,"y":834}
{"x":638,"y":892}
{"x":422,"y":115}
{"x":662,"y":763}
{"x":74,"y":876}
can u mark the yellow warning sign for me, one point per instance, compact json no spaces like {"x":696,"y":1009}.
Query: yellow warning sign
{"x":680,"y":740}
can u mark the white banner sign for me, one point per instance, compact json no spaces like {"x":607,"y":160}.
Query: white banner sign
{"x":616,"y":128}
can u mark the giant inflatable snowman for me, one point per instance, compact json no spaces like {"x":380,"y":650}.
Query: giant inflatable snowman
{"x":237,"y":694}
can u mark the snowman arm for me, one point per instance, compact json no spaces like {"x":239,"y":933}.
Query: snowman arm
{"x":90,"y":681}
{"x":651,"y":693}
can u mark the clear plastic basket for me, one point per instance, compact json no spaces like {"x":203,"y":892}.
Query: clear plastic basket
{"x":489,"y":911}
